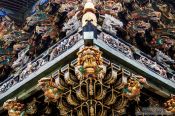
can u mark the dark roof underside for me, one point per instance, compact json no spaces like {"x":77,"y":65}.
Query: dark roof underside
{"x":17,"y":9}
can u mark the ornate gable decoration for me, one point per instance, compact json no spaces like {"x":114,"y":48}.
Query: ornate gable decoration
{"x":89,"y":87}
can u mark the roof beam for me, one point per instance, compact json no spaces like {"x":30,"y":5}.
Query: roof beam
{"x":17,"y":8}
{"x":12,"y":3}
{"x":29,"y":2}
{"x":11,"y":9}
{"x":18,"y":1}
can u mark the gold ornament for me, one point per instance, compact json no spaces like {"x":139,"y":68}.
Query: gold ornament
{"x":90,"y":63}
{"x":170,"y":105}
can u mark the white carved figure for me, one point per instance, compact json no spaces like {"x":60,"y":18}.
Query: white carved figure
{"x":22,"y":60}
{"x":72,"y":24}
{"x":162,"y":58}
{"x":110,"y":23}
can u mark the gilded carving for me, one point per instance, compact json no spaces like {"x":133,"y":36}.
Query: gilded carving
{"x":51,"y":92}
{"x":90,"y":63}
{"x":170,"y":105}
{"x":15,"y":108}
{"x":133,"y":88}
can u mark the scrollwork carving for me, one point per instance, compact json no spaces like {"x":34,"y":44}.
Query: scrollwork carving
{"x":120,"y":46}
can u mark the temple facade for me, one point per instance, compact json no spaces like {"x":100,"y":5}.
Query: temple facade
{"x":92,"y":72}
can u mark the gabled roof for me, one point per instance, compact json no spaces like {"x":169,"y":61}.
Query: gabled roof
{"x":16,"y":85}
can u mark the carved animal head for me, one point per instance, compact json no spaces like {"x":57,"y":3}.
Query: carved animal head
{"x":50,"y":91}
{"x":89,"y":62}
